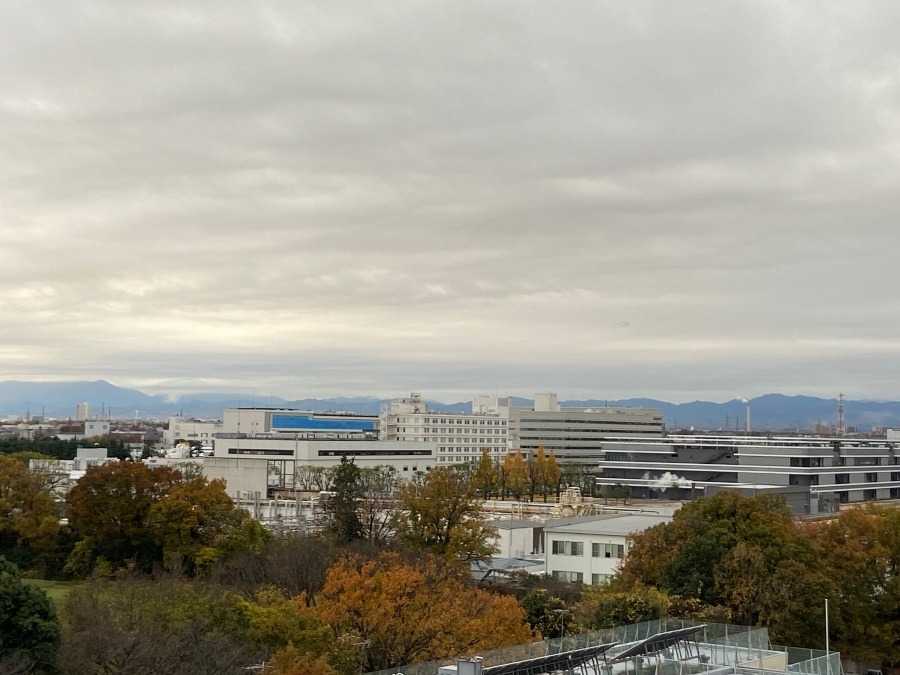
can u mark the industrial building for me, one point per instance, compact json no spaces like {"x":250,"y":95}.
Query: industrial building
{"x":814,"y":474}
{"x":495,"y":425}
{"x":259,"y":449}
{"x":577,"y":434}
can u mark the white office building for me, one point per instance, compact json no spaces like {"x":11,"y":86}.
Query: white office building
{"x":457,"y":437}
{"x":577,"y":434}
{"x":191,"y":431}
{"x":590,"y":549}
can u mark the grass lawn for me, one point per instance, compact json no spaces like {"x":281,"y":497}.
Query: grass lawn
{"x":56,"y":590}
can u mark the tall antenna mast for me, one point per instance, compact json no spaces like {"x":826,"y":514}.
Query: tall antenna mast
{"x":841,"y":429}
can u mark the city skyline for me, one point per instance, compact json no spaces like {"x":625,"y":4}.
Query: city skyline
{"x":609,"y":201}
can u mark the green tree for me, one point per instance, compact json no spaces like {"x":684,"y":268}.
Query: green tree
{"x":861,"y":552}
{"x":374,"y":505}
{"x":275,"y":621}
{"x":441,"y":513}
{"x":345,"y":525}
{"x":293,"y":661}
{"x":28,"y":623}
{"x":745,"y":555}
{"x":609,"y":606}
{"x":196,"y":522}
{"x":547,"y":614}
{"x":29,"y":517}
{"x":109,"y":508}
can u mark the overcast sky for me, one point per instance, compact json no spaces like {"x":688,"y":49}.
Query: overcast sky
{"x":602,"y":199}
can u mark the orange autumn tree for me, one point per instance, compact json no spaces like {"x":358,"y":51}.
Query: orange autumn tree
{"x":405,"y":611}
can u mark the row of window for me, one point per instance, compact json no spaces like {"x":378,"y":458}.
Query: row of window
{"x":872,"y":477}
{"x":866,"y":461}
{"x":470,"y":448}
{"x":598,"y":550}
{"x":451,"y":430}
{"x":596,"y":579}
{"x":444,"y":420}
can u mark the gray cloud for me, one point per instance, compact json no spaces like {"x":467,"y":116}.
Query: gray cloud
{"x":603,"y":199}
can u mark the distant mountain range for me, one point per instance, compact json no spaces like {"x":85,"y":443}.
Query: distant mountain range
{"x":772,"y":411}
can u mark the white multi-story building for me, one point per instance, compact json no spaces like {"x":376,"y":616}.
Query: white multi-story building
{"x":82,"y":412}
{"x":457,"y":437}
{"x":572,"y":434}
{"x":590,"y":549}
{"x":190,"y":430}
{"x":260,"y":449}
{"x":269,"y":462}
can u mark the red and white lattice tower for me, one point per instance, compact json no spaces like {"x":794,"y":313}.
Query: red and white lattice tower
{"x":840,"y":425}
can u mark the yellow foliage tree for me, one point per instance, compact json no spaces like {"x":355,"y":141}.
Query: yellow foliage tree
{"x":30,"y":516}
{"x":441,"y":513}
{"x":292,"y":661}
{"x":516,"y":474}
{"x":404,"y":612}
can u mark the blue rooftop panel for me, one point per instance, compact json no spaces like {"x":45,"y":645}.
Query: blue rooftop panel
{"x":320,"y":424}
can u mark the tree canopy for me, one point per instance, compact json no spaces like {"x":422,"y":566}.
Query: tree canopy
{"x":441,"y":513}
{"x":400,"y":611}
{"x":28,"y":623}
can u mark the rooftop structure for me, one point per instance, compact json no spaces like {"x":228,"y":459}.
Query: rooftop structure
{"x":665,"y":646}
{"x":252,"y":422}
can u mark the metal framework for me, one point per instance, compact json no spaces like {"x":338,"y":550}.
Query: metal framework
{"x":565,"y":661}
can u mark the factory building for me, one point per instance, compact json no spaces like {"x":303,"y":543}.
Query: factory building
{"x":814,"y":474}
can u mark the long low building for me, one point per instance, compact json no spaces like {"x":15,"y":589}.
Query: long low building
{"x":815,"y":474}
{"x":243,"y":460}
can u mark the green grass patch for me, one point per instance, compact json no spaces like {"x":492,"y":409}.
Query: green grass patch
{"x":55,"y":590}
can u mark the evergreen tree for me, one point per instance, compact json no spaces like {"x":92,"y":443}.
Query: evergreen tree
{"x":345,"y":525}
{"x":28,"y":623}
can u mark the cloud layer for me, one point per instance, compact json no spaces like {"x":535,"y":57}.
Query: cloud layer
{"x":602,"y":199}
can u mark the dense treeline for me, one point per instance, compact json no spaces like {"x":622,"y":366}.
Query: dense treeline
{"x":176,"y":579}
{"x":179,"y":580}
{"x":745,"y":560}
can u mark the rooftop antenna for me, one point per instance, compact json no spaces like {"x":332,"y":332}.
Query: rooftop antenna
{"x":841,"y":428}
